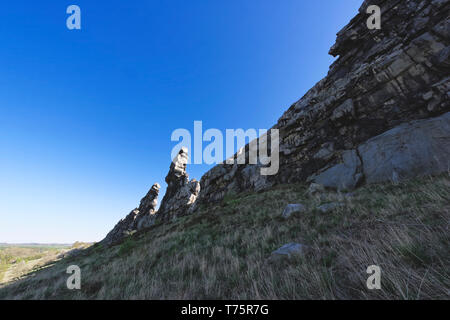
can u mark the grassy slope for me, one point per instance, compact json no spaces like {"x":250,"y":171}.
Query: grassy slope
{"x":16,"y":260}
{"x":222,"y":251}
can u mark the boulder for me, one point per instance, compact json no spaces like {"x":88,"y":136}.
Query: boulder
{"x":293,"y":208}
{"x":412,"y":149}
{"x":288,"y":251}
{"x":315,"y":188}
{"x":342,"y":176}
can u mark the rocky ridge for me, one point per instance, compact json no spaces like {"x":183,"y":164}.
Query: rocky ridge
{"x":138,"y":218}
{"x":381,"y":113}
{"x":383,"y":79}
{"x":179,"y":200}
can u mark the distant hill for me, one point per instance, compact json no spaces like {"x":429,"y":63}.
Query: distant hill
{"x":36,"y":245}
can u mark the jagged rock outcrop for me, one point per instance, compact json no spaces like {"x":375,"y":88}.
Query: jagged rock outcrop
{"x":383,"y":78}
{"x":138,"y":218}
{"x":149,"y":202}
{"x":179,"y":200}
{"x":147,"y":208}
{"x":381,"y":113}
{"x":181,"y":193}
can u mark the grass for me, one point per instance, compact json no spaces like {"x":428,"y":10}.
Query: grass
{"x":19,"y":260}
{"x":222,"y":251}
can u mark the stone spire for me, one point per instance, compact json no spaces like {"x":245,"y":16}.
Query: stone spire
{"x":137,"y":219}
{"x":149,"y":202}
{"x":181,"y":193}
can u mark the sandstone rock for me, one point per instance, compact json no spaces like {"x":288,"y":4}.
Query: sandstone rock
{"x":325,"y":152}
{"x":315,"y":188}
{"x":293,"y":208}
{"x":149,"y":202}
{"x":382,"y":78}
{"x":145,"y":221}
{"x":343,"y":176}
{"x":288,"y":251}
{"x":347,"y":129}
{"x":256,"y":181}
{"x":346,"y":109}
{"x":181,"y":193}
{"x":137,"y":219}
{"x":121,"y":229}
{"x":411,"y":149}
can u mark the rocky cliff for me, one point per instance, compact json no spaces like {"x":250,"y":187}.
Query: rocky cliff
{"x":341,"y":132}
{"x":381,"y":113}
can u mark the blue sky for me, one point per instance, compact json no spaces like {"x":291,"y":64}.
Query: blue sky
{"x":86,"y":115}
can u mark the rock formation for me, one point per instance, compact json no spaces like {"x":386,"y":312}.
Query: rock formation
{"x":181,"y":193}
{"x":138,"y":218}
{"x":381,"y":113}
{"x":147,"y":208}
{"x":179,"y":200}
{"x":339,"y":134}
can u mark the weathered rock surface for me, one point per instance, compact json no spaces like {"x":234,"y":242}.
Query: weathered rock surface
{"x":345,"y":175}
{"x":288,"y":251}
{"x":381,"y":113}
{"x":315,"y":188}
{"x":420,"y":147}
{"x":181,"y":193}
{"x":179,"y":200}
{"x":411,"y":149}
{"x":137,"y":219}
{"x":149,"y":202}
{"x":293,"y":208}
{"x":381,"y":79}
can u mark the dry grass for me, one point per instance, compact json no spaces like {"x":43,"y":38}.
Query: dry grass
{"x":222,"y":252}
{"x":16,"y":261}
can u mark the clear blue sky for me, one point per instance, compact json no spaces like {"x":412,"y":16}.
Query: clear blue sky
{"x":86,"y":116}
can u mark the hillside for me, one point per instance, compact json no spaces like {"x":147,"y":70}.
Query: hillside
{"x":17,"y":260}
{"x":223,"y":252}
{"x":362,"y":178}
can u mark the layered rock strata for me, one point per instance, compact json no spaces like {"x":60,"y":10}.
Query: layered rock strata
{"x":382,"y":80}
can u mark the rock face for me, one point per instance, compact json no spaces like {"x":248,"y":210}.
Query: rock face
{"x":181,"y":193}
{"x":147,"y":208}
{"x":339,"y":133}
{"x":179,"y":200}
{"x":381,"y":113}
{"x":138,"y":218}
{"x":149,"y":202}
{"x":412,"y":149}
{"x":345,"y":175}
